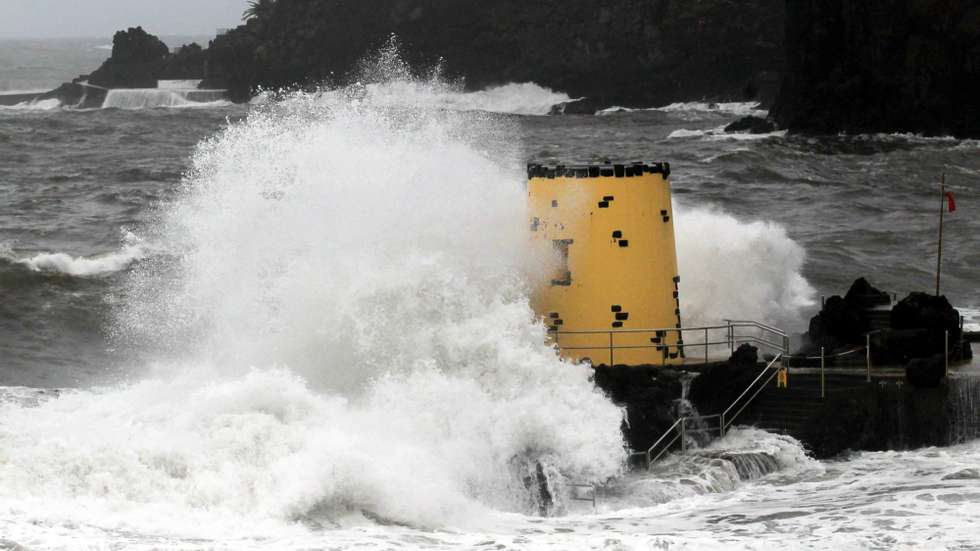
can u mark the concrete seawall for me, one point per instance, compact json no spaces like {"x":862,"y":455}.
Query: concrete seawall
{"x":884,"y":414}
{"x":206,"y":96}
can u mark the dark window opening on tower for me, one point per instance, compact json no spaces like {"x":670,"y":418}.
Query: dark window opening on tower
{"x":564,"y":275}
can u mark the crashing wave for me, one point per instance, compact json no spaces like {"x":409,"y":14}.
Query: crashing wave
{"x":341,"y":330}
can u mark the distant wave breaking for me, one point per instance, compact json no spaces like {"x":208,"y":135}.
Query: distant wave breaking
{"x":41,"y":105}
{"x":80,"y":266}
{"x":524,"y":98}
{"x":719,"y":133}
{"x":736,"y":108}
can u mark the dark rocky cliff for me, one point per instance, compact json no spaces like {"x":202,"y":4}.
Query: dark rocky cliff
{"x":628,"y":52}
{"x":860,"y":66}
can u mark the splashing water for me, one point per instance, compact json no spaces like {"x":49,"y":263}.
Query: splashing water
{"x":696,"y":433}
{"x":743,"y":455}
{"x":340,"y":329}
{"x":737,"y":270}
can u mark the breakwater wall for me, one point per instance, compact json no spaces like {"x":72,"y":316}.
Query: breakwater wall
{"x":884,"y":414}
{"x":829,"y":413}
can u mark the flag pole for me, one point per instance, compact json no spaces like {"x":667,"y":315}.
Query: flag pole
{"x":942,"y":207}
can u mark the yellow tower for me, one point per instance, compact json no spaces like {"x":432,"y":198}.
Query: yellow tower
{"x":614,"y":296}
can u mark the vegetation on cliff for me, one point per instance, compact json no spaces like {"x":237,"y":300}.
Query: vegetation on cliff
{"x":626,"y":52}
{"x":861,"y":66}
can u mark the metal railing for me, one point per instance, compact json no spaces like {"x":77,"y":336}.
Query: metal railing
{"x":823,"y":357}
{"x":730,"y":335}
{"x":725,"y":420}
{"x":590,"y":494}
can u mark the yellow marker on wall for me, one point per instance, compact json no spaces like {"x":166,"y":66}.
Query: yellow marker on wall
{"x":613,"y":232}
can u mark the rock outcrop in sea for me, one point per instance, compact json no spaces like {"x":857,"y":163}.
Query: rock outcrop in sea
{"x":911,"y":333}
{"x":140,"y":59}
{"x":615,"y":52}
{"x":867,"y":66}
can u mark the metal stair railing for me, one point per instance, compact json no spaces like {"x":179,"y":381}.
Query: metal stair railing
{"x":655,"y":451}
{"x":727,"y":421}
{"x":590,"y":494}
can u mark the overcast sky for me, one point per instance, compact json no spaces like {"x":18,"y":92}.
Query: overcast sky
{"x":101,"y":18}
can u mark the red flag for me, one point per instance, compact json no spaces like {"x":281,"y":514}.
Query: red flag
{"x":950,"y":202}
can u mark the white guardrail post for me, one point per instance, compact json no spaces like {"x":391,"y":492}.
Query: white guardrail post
{"x":867,"y":351}
{"x":823,"y":384}
{"x":705,"y":345}
{"x":946,"y":352}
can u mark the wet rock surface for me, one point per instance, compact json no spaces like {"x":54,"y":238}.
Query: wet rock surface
{"x":916,"y":327}
{"x":751,"y":125}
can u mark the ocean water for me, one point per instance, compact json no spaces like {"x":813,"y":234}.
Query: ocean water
{"x":303,"y":324}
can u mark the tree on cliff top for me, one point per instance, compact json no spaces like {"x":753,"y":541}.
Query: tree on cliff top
{"x":258,"y":9}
